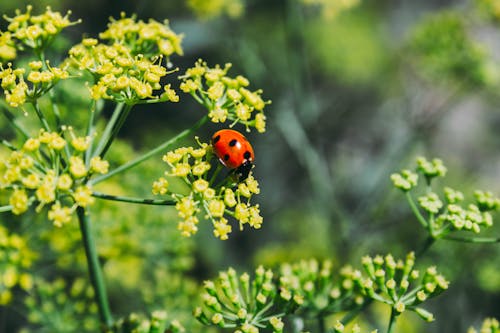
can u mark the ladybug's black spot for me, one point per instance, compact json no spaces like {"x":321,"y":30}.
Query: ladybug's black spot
{"x":233,"y":142}
{"x":247,"y":155}
{"x":226,"y":157}
{"x":215,"y":139}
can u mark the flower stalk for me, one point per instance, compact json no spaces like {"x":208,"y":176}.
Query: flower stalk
{"x":152,"y":152}
{"x":95,"y":272}
{"x":144,"y":201}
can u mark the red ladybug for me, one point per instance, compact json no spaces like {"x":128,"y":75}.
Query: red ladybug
{"x":234,"y":151}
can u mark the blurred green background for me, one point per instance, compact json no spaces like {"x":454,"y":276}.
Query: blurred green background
{"x":356,"y":95}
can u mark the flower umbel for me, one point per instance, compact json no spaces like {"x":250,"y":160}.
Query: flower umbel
{"x":38,"y":31}
{"x":450,"y":214}
{"x":15,"y":261}
{"x":130,"y":67}
{"x":247,"y":305}
{"x":51,"y":172}
{"x":398,"y":284}
{"x":321,"y":291}
{"x":208,"y":196}
{"x":225,"y":97}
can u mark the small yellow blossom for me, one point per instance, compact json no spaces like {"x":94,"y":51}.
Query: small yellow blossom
{"x":222,"y":229}
{"x":59,"y":215}
{"x":31,"y":181}
{"x":188,"y":226}
{"x":81,"y":143}
{"x":200,"y":185}
{"x":186,"y":207}
{"x":56,"y":141}
{"x":241,"y":212}
{"x":77,"y":167}
{"x":19,"y":201}
{"x":244,"y":190}
{"x":209,"y":193}
{"x":64,"y":182}
{"x":229,"y":198}
{"x":200,"y":168}
{"x":7,"y":46}
{"x":46,"y":192}
{"x":260,"y":122}
{"x":218,"y":114}
{"x":255,"y":220}
{"x":83,"y":196}
{"x":97,"y":164}
{"x":160,"y":186}
{"x":216,"y":208}
{"x":181,"y":169}
{"x":31,"y":144}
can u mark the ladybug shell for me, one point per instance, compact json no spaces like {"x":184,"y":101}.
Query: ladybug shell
{"x":232,"y":148}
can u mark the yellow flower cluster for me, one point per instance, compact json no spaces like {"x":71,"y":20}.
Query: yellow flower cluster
{"x":226,"y":98}
{"x":7,"y":46}
{"x":210,"y":9}
{"x":16,"y":258}
{"x":192,"y":166}
{"x":148,"y":39}
{"x":37,"y":31}
{"x":120,"y":75}
{"x":50,"y":170}
{"x":49,"y":297}
{"x":489,"y":325}
{"x":15,"y":84}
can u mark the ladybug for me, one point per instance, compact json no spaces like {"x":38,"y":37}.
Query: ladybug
{"x":234,"y":151}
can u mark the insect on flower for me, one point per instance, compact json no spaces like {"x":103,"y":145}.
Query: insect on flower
{"x":234,"y":151}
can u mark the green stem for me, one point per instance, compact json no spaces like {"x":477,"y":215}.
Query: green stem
{"x":8,"y":145}
{"x":158,"y":202}
{"x":90,"y":131}
{"x":106,"y":135}
{"x":427,"y":244}
{"x":41,"y":116}
{"x":114,"y":133}
{"x":7,"y":208}
{"x":392,"y":321}
{"x":473,"y":239}
{"x":416,"y":211}
{"x":321,"y":324}
{"x":354,"y":313}
{"x":55,"y":109}
{"x":152,"y":152}
{"x":96,"y":277}
{"x":14,"y":123}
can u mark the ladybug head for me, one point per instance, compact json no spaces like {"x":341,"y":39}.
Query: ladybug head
{"x":244,"y":170}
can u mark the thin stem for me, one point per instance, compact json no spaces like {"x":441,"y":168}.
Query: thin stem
{"x":321,"y":324}
{"x":144,"y":201}
{"x":7,"y":208}
{"x":90,"y":131}
{"x":8,"y":144}
{"x":473,"y":239}
{"x":152,"y":152}
{"x":121,"y":120}
{"x":354,"y":313}
{"x":416,"y":211}
{"x":55,"y":108}
{"x":427,"y":244}
{"x":14,"y":123}
{"x":41,"y":116}
{"x":94,"y":268}
{"x":392,"y":321}
{"x":108,"y":130}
